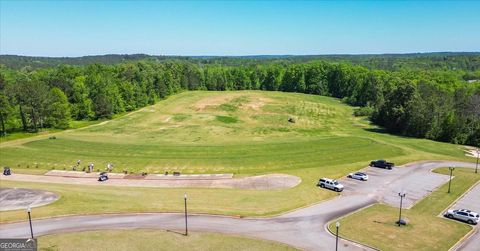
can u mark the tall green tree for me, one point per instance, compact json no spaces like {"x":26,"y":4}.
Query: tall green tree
{"x":32,"y":96}
{"x":6,"y":111}
{"x":395,"y":113}
{"x":81,"y":102}
{"x":58,"y":109}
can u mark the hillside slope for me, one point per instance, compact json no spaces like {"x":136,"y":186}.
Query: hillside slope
{"x":234,"y":132}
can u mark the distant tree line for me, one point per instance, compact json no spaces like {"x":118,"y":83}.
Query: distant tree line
{"x":434,"y":104}
{"x":467,"y":61}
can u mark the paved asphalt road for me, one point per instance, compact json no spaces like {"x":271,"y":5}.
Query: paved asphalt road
{"x":303,"y":228}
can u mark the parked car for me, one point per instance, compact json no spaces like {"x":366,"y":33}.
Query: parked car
{"x":358,"y":176}
{"x":7,"y":171}
{"x":463,"y":215}
{"x":103,"y":176}
{"x":382,"y":164}
{"x":330,"y":184}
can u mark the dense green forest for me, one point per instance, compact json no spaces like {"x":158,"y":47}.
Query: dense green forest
{"x":434,"y":96}
{"x":468,"y":61}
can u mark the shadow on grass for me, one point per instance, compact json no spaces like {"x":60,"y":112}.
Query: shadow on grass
{"x":176,"y":232}
{"x":384,"y":131}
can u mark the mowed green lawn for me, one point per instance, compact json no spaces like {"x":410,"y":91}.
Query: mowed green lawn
{"x":243,"y":132}
{"x":376,"y":226}
{"x":237,"y":158}
{"x":146,"y":239}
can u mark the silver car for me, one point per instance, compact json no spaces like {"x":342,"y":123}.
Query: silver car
{"x":358,"y":176}
{"x":463,"y":215}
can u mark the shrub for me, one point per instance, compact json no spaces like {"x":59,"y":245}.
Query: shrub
{"x":227,"y":119}
{"x":363,"y":111}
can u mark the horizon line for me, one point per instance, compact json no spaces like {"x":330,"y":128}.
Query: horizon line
{"x":248,"y":55}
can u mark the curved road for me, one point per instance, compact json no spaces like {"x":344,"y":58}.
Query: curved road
{"x":303,"y":228}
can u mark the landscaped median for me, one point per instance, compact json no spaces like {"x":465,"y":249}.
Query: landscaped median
{"x":147,"y":239}
{"x":375,"y":225}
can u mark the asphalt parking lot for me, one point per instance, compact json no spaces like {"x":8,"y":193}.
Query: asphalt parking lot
{"x":386,"y":184}
{"x":470,"y":200}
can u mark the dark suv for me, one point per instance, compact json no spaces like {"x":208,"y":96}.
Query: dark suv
{"x":382,"y":164}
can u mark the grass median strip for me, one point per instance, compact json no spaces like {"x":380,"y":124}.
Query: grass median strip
{"x":146,"y":239}
{"x":376,"y":226}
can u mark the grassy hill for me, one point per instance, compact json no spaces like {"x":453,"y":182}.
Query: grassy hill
{"x":198,"y":132}
{"x":244,"y":132}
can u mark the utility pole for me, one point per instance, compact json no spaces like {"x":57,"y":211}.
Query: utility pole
{"x":402,"y":195}
{"x":478,"y":156}
{"x":186,"y":216}
{"x":29,"y":210}
{"x":336,"y":243}
{"x":450,"y":182}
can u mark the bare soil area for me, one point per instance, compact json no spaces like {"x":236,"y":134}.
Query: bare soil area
{"x":261,"y":182}
{"x":20,"y":198}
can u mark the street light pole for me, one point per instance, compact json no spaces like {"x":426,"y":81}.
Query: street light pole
{"x":186,"y":217}
{"x":336,"y":243}
{"x":29,"y":209}
{"x":401,"y":194}
{"x":478,"y":156}
{"x":450,"y":181}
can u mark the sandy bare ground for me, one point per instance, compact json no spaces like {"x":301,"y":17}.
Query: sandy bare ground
{"x":20,"y":198}
{"x":262,"y":182}
{"x":79,"y":174}
{"x":472,"y":153}
{"x":213,"y":102}
{"x":255,"y":104}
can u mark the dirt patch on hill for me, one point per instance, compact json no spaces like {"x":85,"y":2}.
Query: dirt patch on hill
{"x":212,"y":102}
{"x":256,"y":104}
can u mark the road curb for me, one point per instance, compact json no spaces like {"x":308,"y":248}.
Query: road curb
{"x":347,"y":239}
{"x":460,"y":243}
{"x":136,"y":213}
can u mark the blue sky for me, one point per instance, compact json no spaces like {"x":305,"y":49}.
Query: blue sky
{"x":77,"y":28}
